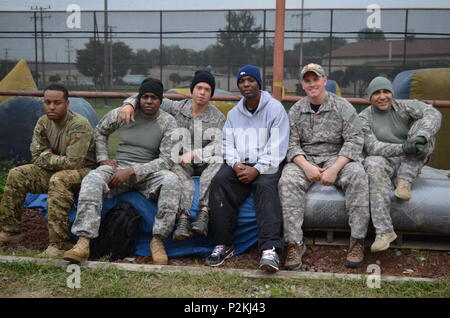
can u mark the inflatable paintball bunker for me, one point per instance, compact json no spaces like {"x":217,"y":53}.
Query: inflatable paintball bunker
{"x":427,"y":212}
{"x":333,"y":87}
{"x":19,"y":78}
{"x":18,"y":116}
{"x":430,"y":83}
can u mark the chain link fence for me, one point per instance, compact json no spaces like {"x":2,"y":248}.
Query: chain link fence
{"x":115,"y":50}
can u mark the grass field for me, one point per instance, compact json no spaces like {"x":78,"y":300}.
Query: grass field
{"x":31,"y":280}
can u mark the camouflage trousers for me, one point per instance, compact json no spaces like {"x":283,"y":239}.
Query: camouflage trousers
{"x":206,"y":173}
{"x":163,"y":186}
{"x":60,"y":186}
{"x":381,"y":172}
{"x":294,"y":184}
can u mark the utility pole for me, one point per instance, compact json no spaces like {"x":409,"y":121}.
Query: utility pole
{"x":106,"y":67}
{"x":111,"y":73}
{"x":36,"y":74}
{"x":302,"y":17}
{"x":301,"y":35}
{"x":68,"y":59}
{"x":278,"y":60}
{"x":41,"y":18}
{"x":6,"y":61}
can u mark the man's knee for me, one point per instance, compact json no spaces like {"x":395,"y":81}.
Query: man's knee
{"x":20,"y":174}
{"x":59,"y":179}
{"x":374,"y":163}
{"x":292,"y":177}
{"x":223,"y":175}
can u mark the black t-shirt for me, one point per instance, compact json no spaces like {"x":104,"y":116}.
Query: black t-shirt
{"x":315,"y":107}
{"x":251,"y":110}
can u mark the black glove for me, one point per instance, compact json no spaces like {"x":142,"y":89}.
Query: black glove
{"x":421,"y":151}
{"x":409,"y":146}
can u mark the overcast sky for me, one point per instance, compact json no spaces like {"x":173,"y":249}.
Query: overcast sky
{"x":214,"y":4}
{"x":19,"y":46}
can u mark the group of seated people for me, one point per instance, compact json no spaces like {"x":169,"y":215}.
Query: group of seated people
{"x":258,"y":148}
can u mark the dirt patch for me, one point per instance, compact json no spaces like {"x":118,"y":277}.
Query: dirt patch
{"x":398,"y":262}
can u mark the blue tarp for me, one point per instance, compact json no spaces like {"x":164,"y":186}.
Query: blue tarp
{"x":245,"y":234}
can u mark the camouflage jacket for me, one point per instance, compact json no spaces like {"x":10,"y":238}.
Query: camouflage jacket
{"x":166,"y":124}
{"x":424,"y":118}
{"x":73,"y":149}
{"x":335,"y":130}
{"x":205,"y":129}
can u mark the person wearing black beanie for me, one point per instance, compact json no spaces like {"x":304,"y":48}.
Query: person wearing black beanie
{"x":206,"y":77}
{"x":143,"y":160}
{"x":197,"y":115}
{"x":151,"y":85}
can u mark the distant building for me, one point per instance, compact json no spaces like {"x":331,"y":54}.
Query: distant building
{"x":389,"y":53}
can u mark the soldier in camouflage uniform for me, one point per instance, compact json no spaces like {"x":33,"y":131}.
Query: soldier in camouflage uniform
{"x":399,"y":137}
{"x":324,"y":146}
{"x":63,"y":152}
{"x":143,"y":163}
{"x":200,"y":123}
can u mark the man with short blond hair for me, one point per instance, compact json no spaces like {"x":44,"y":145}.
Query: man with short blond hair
{"x":324,"y":146}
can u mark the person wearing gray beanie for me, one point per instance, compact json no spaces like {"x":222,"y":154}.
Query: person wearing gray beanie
{"x":196,"y":115}
{"x":377,"y":84}
{"x":399,"y":137}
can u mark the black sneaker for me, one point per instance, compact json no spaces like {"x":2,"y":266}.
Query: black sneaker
{"x":219,"y":255}
{"x":269,"y":260}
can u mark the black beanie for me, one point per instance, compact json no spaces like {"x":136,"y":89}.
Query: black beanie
{"x":204,"y":76}
{"x":151,"y":85}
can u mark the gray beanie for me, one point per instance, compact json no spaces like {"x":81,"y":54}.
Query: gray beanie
{"x":378,"y":83}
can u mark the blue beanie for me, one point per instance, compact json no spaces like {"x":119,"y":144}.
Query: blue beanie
{"x":249,"y":70}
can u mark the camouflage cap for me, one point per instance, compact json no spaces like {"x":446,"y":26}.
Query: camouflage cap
{"x":311,"y":67}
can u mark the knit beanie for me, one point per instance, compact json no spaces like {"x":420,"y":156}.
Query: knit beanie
{"x":206,"y":77}
{"x":378,"y":83}
{"x":249,"y":70}
{"x":151,"y":85}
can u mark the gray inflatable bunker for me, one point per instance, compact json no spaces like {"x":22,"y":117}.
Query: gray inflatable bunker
{"x":18,"y":116}
{"x":427,"y":212}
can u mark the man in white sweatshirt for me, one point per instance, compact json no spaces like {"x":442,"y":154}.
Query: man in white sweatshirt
{"x":255,"y":142}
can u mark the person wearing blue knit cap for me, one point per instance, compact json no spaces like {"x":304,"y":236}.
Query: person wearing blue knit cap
{"x":255,"y":141}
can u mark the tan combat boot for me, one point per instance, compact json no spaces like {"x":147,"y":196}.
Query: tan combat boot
{"x":403,"y":190}
{"x":355,"y":255}
{"x":52,"y":251}
{"x":6,"y":237}
{"x":56,"y":249}
{"x":158,"y":251}
{"x":383,"y":241}
{"x":79,"y":253}
{"x":294,"y":256}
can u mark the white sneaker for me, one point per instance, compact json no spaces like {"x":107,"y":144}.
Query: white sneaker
{"x":269,"y":260}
